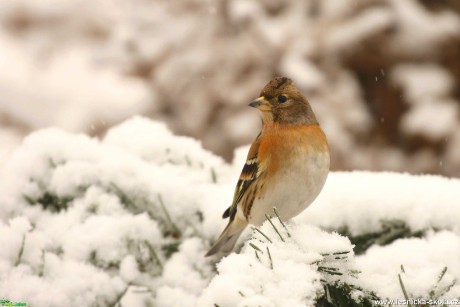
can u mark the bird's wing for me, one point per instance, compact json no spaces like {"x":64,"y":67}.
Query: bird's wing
{"x":251,"y":171}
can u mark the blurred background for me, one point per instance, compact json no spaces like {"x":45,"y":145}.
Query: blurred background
{"x":382,"y":75}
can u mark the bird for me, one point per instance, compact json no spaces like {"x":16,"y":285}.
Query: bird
{"x":286,"y":166}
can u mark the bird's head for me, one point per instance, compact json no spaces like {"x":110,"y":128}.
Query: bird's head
{"x":281,"y":102}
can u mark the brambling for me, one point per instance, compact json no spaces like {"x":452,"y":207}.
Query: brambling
{"x":286,"y":166}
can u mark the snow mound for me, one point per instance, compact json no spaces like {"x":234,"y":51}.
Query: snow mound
{"x":128,"y":219}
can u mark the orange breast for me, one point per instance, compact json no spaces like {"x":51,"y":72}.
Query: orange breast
{"x":281,"y":144}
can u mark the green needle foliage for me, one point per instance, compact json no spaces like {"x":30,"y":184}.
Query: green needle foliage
{"x":340,"y":295}
{"x":390,"y":232}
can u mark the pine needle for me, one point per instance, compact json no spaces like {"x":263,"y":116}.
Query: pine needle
{"x":257,"y":256}
{"x":341,"y":253}
{"x":187,"y":160}
{"x":260,"y":231}
{"x":270,"y":257}
{"x":255,"y":247}
{"x":154,"y":254}
{"x":176,"y":231}
{"x":403,"y":288}
{"x":442,"y":274}
{"x":123,"y":197}
{"x":213,"y":175}
{"x":274,"y":227}
{"x":41,"y":269}
{"x":435,"y":287}
{"x":327,"y":268}
{"x":330,"y":270}
{"x":328,"y":295}
{"x":21,"y":251}
{"x":277,"y":215}
{"x":447,"y":289}
{"x":119,"y":297}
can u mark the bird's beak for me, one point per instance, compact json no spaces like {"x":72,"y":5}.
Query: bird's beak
{"x":260,"y":103}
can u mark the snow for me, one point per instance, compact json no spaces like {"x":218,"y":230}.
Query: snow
{"x":94,"y":93}
{"x":432,"y":114}
{"x":130,"y":217}
{"x":10,"y":140}
{"x":422,"y":83}
{"x":421,"y":30}
{"x":293,"y":280}
{"x":85,"y":70}
{"x":435,"y":121}
{"x":381,"y":265}
{"x":365,"y":25}
{"x":359,"y":200}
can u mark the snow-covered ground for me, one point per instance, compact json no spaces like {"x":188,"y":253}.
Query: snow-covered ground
{"x":127,"y":219}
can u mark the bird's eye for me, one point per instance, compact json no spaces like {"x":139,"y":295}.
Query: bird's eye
{"x":282,"y":98}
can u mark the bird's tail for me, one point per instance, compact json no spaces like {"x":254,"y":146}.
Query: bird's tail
{"x":228,"y":238}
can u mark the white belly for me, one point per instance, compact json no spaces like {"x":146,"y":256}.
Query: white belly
{"x":294,"y":189}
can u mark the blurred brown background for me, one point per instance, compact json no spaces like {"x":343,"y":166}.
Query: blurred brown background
{"x":382,"y":75}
